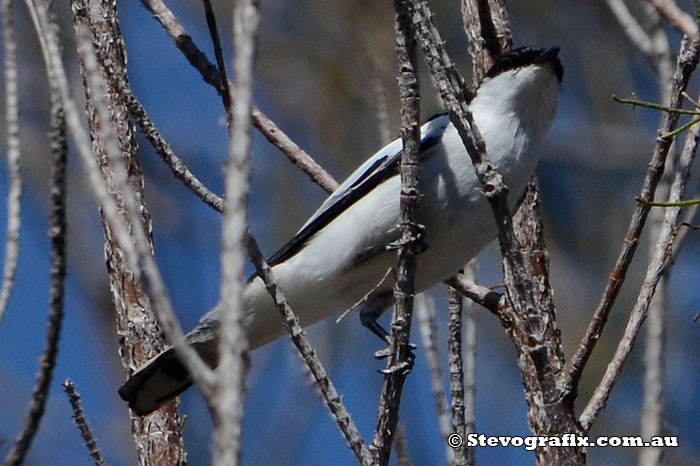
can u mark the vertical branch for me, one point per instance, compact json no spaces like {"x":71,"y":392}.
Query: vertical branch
{"x":115,"y":146}
{"x":380,"y":104}
{"x":457,"y":388}
{"x":14,"y":195}
{"x":133,"y":252}
{"x":462,"y":361}
{"x":470,"y":324}
{"x":652,"y":414}
{"x":233,"y":343}
{"x":57,"y":235}
{"x":409,"y":242}
{"x":427,"y":323}
{"x":538,"y":340}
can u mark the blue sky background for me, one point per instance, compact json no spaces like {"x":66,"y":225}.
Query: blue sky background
{"x":313,"y":82}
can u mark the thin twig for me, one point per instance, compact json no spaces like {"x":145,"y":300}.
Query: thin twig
{"x":81,"y":422}
{"x":640,"y":103}
{"x":261,"y":121}
{"x":176,"y":165}
{"x":654,"y":272}
{"x":490,"y":300}
{"x":300,"y":158}
{"x":229,"y":390}
{"x":57,"y":235}
{"x":184,"y":43}
{"x":14,"y":195}
{"x":220,"y":62}
{"x":687,"y":61}
{"x":427,"y":324}
{"x":398,"y":364}
{"x":686,"y":203}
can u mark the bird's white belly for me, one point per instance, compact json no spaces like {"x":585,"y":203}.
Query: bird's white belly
{"x":330,"y":276}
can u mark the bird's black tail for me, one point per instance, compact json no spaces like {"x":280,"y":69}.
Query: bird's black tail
{"x":161,"y":379}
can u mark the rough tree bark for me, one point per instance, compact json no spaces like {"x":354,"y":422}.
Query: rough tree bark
{"x":157,"y":435}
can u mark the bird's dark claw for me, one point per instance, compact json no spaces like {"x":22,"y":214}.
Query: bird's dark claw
{"x":401,"y":368}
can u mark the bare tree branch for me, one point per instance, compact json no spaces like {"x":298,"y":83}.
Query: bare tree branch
{"x":261,"y":121}
{"x":220,"y":62}
{"x":399,"y":359}
{"x":490,"y":300}
{"x":138,"y":250}
{"x":115,"y":148}
{"x":678,"y":18}
{"x":462,"y":361}
{"x":227,"y":406}
{"x":655,"y":270}
{"x":176,"y":165}
{"x":81,"y":422}
{"x":14,"y":196}
{"x":427,"y":324}
{"x":57,"y":234}
{"x":400,"y":447}
{"x":461,"y":453}
{"x":330,"y":394}
{"x":687,"y":61}
{"x":651,"y":421}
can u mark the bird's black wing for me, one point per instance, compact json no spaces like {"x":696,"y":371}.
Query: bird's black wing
{"x":382,"y":166}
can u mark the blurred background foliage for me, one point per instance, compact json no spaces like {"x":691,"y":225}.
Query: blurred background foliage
{"x":319,"y":67}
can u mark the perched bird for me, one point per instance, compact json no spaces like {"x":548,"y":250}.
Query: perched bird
{"x":341,"y":257}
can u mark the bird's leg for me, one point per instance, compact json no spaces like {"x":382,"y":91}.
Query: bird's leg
{"x":368,"y":317}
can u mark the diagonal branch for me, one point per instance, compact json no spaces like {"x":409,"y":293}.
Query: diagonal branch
{"x":166,"y":153}
{"x":330,"y":394}
{"x":81,"y":422}
{"x":655,"y":271}
{"x":220,"y":62}
{"x":57,"y":234}
{"x":261,"y":121}
{"x":678,"y":18}
{"x":687,"y":61}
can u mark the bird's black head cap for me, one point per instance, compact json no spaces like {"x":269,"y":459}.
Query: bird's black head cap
{"x":524,"y":56}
